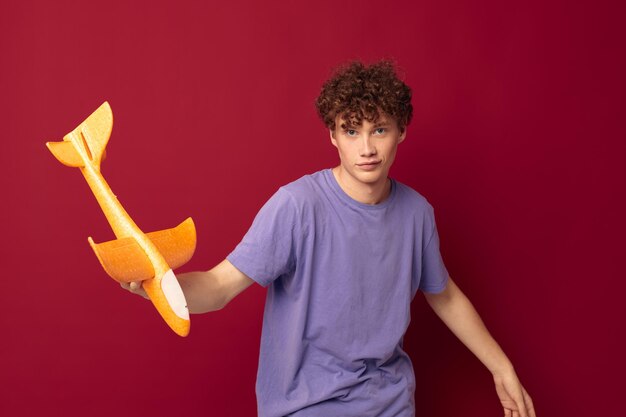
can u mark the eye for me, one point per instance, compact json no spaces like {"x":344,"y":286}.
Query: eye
{"x":351,"y":132}
{"x":380,"y":131}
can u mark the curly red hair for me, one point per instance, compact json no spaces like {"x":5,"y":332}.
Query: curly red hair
{"x":356,"y":92}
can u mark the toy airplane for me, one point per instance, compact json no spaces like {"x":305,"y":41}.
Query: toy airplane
{"x":133,"y":256}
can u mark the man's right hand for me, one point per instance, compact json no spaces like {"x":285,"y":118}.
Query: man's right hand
{"x":205,"y":291}
{"x":135,"y":287}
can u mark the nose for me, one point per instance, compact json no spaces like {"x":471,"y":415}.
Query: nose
{"x":367,"y":147}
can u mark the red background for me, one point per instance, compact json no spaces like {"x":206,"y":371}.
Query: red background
{"x":518,"y":141}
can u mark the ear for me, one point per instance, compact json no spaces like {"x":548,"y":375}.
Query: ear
{"x":402,"y":135}
{"x":332,"y":137}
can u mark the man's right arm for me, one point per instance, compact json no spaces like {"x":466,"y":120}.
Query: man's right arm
{"x":206,"y":291}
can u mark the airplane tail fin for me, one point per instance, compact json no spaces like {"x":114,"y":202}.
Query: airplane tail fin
{"x":87,"y":142}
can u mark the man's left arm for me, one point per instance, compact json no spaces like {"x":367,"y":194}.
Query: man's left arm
{"x":458,"y":313}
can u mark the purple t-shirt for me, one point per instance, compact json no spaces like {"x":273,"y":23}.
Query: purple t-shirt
{"x":341,"y":277}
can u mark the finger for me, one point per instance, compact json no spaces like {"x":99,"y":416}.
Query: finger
{"x":143,"y":293}
{"x":518,"y":399}
{"x":135,"y":285}
{"x":507,"y":412}
{"x":527,"y":408}
{"x":529,"y":404}
{"x":521,"y":407}
{"x":125,"y":285}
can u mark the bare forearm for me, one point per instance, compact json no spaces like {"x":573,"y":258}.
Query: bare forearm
{"x":202,"y":291}
{"x":460,"y":316}
{"x":212,"y":290}
{"x":205,"y":291}
{"x":458,"y":313}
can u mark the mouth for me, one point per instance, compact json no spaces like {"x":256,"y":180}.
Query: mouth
{"x":370,"y":165}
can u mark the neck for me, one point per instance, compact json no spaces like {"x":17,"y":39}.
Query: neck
{"x":373,"y":193}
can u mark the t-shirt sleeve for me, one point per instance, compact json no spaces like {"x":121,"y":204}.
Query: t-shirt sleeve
{"x":434,"y":275}
{"x":267,"y":249}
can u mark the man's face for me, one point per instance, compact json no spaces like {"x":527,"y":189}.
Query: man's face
{"x":367,"y":151}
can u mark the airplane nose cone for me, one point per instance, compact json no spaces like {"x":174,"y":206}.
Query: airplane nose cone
{"x":174,"y":295}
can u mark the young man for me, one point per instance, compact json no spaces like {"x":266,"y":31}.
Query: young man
{"x":343,"y":252}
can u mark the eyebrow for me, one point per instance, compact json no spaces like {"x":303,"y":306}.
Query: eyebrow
{"x":385,"y":123}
